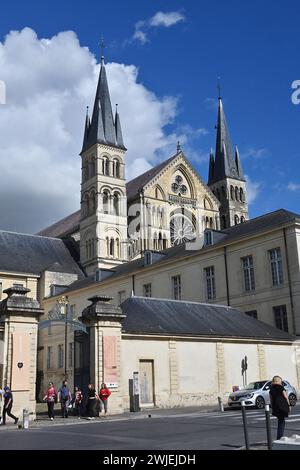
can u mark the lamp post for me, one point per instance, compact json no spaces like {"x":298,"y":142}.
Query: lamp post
{"x":63,"y":302}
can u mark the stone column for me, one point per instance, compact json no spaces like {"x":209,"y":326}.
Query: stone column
{"x":262,"y":361}
{"x":103,"y":320}
{"x":221,"y":367}
{"x":19,"y":315}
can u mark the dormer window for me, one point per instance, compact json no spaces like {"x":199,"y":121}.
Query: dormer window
{"x":208,"y":237}
{"x":147,"y":258}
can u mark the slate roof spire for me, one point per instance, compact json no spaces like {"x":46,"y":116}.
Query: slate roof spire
{"x":103,"y":129}
{"x":225,"y":165}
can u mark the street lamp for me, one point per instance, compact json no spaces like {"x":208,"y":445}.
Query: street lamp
{"x":63,"y":302}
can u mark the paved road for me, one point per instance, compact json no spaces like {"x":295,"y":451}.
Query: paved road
{"x":165,"y":430}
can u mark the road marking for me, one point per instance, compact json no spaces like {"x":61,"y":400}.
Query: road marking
{"x":292,"y":420}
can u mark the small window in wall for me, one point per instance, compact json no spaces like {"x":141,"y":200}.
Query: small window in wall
{"x":60,"y":356}
{"x":248,"y":270}
{"x":280,"y":316}
{"x":147,"y":258}
{"x":252,"y":313}
{"x":147,"y":290}
{"x":208,"y":238}
{"x":276,"y":266}
{"x":49,"y":357}
{"x":210,"y":283}
{"x":176,"y":287}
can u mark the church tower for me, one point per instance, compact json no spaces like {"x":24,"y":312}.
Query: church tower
{"x":103,"y":224}
{"x":226,"y":178}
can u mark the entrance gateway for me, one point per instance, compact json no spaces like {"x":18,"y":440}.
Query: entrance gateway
{"x":146,"y":382}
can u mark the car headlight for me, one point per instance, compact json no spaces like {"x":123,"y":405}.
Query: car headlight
{"x":250,"y":395}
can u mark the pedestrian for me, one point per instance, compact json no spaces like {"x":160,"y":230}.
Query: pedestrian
{"x":65,"y":397}
{"x":78,"y":399}
{"x":7,"y":406}
{"x":93,"y":400}
{"x":51,"y":398}
{"x":279,"y":403}
{"x":104,"y":393}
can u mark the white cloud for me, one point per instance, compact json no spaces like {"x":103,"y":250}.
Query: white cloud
{"x":255,"y":153}
{"x":253,"y":189}
{"x":160,"y":19}
{"x":293,"y":186}
{"x":49,"y":82}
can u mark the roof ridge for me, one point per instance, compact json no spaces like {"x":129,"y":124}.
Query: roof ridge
{"x":29,"y":235}
{"x":180,"y":301}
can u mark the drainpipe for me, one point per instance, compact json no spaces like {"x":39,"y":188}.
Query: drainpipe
{"x":226,"y":275}
{"x":289,"y":280}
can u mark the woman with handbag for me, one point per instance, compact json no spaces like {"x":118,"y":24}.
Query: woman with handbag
{"x":280,"y":404}
{"x":51,"y":399}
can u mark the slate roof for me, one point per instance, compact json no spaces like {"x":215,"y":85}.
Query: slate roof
{"x":260,"y":224}
{"x":32,"y":254}
{"x":103,"y":128}
{"x":134,"y":186}
{"x":224,"y":165}
{"x":63,"y":227}
{"x":172,"y":317}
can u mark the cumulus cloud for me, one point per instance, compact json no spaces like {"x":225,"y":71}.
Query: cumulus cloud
{"x":49,"y":82}
{"x":160,"y":19}
{"x":253,"y":189}
{"x":293,"y":187}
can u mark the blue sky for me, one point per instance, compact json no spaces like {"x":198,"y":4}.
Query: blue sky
{"x":252,"y":45}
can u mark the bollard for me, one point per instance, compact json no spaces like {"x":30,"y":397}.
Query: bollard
{"x":25,"y":418}
{"x":221,"y":406}
{"x":268,"y":426}
{"x":245,"y":424}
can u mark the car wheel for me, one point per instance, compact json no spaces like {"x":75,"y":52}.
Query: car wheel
{"x":292,"y":399}
{"x":260,"y":403}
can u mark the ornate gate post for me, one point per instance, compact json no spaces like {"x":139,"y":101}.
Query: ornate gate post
{"x":19,"y":315}
{"x":104,"y":322}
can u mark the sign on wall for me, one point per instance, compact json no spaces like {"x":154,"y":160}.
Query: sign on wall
{"x":20,"y":361}
{"x":110,"y":359}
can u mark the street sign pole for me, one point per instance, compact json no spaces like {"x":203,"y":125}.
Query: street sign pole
{"x":245,"y":425}
{"x":268,"y":426}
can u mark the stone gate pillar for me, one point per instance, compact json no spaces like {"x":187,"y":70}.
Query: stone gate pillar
{"x":19,"y":323}
{"x":103,"y":320}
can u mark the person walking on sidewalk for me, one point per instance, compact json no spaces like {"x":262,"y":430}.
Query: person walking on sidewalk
{"x":92,"y":402}
{"x":65,"y":397}
{"x":7,"y":406}
{"x":51,"y":398}
{"x":279,"y":403}
{"x":78,"y":399}
{"x":104,"y":393}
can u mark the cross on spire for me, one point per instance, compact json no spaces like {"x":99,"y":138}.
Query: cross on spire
{"x":102,"y":47}
{"x":219,"y":87}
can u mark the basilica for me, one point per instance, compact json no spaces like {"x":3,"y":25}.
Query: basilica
{"x":161,"y":284}
{"x":167,"y":205}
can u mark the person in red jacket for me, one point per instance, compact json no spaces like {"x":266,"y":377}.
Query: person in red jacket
{"x":104,"y":393}
{"x":51,"y":398}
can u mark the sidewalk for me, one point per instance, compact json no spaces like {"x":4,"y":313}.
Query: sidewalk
{"x":42,"y":419}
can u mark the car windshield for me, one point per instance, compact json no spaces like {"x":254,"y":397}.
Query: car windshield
{"x":254,"y":386}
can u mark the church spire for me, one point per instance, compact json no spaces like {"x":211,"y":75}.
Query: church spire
{"x":102,"y":128}
{"x":225,"y":164}
{"x":118,"y":130}
{"x":86,"y":128}
{"x":211,"y":165}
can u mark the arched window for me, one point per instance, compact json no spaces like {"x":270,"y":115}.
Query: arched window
{"x":223,"y":192}
{"x":211,"y":223}
{"x":118,"y":255}
{"x":85,"y":172}
{"x":236,"y":191}
{"x":236,"y":219}
{"x":116,"y":204}
{"x":116,"y":168}
{"x":242,"y":219}
{"x":232,"y":192}
{"x":160,"y":243}
{"x":105,"y":202}
{"x":105,"y":166}
{"x":92,"y":202}
{"x":218,"y":194}
{"x":155,"y":245}
{"x":92,"y":167}
{"x":206,"y":222}
{"x":241,"y":195}
{"x":112,"y":247}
